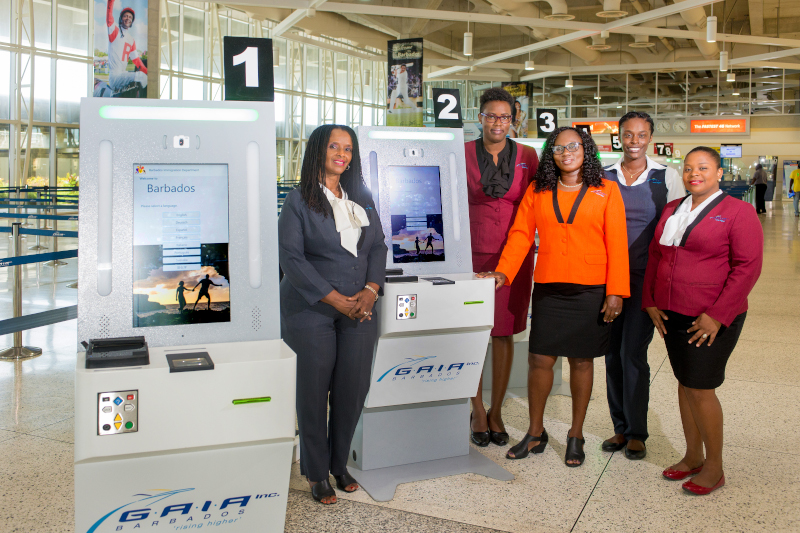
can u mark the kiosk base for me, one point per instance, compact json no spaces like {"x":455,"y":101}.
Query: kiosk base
{"x":381,"y":483}
{"x":412,"y":442}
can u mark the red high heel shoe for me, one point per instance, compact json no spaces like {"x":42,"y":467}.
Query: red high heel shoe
{"x":677,"y":475}
{"x":693,"y":488}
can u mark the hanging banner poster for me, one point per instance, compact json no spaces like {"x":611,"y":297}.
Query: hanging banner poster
{"x":405,"y":83}
{"x":521,"y":93}
{"x":120,"y":48}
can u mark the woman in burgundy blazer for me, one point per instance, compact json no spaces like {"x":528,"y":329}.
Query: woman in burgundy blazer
{"x":704,"y":260}
{"x":498,"y":174}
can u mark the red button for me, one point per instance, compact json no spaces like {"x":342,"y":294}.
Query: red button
{"x":130,"y":396}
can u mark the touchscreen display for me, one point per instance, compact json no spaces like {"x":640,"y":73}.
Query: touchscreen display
{"x":180,"y":245}
{"x":731,"y":150}
{"x":415,"y":200}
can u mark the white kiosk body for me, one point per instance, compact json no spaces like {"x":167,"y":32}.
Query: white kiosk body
{"x":181,"y":191}
{"x":432,"y":338}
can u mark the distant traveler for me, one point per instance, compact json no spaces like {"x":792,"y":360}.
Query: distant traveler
{"x":794,"y":186}
{"x":646,"y":187}
{"x":580,"y":278}
{"x":204,"y":285}
{"x":759,"y":179}
{"x":332,"y":252}
{"x":121,"y":48}
{"x":705,"y":258}
{"x":499,"y":172}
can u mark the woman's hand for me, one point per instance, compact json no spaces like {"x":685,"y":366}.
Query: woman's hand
{"x":363,"y":301}
{"x":611,"y":308}
{"x":340,"y":302}
{"x":658,"y":317}
{"x":705,"y":328}
{"x":500,"y":278}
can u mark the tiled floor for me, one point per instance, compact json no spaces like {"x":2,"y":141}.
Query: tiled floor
{"x":609,"y":493}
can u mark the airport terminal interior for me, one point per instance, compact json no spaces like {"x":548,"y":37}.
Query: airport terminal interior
{"x":98,"y":97}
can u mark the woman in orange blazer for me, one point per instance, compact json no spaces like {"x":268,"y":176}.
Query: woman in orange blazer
{"x":580,"y":278}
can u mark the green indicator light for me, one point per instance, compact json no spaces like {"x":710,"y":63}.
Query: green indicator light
{"x":474,"y":302}
{"x":128,"y":425}
{"x":243,"y":401}
{"x":606,"y":155}
{"x":411,"y":135}
{"x":208,"y":114}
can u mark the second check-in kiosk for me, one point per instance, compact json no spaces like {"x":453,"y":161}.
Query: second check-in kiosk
{"x":433,"y":332}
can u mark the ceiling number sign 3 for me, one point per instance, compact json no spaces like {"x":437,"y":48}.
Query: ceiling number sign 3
{"x":546,"y":122}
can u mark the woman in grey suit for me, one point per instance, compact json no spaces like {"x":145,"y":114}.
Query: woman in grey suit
{"x":333,"y":256}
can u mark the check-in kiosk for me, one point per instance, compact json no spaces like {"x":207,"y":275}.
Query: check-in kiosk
{"x":433,"y":331}
{"x":184,"y":399}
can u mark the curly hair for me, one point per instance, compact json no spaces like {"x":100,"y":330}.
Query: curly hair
{"x":547,"y":174}
{"x":496,"y":94}
{"x":313,"y":172}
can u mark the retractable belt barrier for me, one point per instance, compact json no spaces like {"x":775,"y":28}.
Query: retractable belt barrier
{"x":41,"y":232}
{"x":38,"y":258}
{"x":39,"y":217}
{"x":36,"y":206}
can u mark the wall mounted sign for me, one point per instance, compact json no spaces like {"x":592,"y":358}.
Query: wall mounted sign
{"x":607,"y":125}
{"x":728,"y":125}
{"x":248,"y":69}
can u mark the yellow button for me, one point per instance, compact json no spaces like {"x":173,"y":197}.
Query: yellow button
{"x":118,"y":418}
{"x":117,"y":424}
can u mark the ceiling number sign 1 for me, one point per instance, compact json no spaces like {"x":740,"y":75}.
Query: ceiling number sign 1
{"x":250,"y":59}
{"x":616,"y":144}
{"x":447,"y":108}
{"x":546,"y":122}
{"x":248,"y":69}
{"x":664,"y":149}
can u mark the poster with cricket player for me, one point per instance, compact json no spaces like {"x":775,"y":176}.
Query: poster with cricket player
{"x":404,"y":87}
{"x":120,"y":48}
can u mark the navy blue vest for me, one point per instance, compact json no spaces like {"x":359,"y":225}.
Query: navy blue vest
{"x":643,"y":206}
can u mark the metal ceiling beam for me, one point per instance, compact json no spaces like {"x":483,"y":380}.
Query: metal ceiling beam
{"x":293,"y":18}
{"x":574,"y":36}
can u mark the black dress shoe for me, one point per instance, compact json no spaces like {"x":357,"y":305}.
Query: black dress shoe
{"x":478,"y":438}
{"x":574,"y":451}
{"x":635,"y":455}
{"x":344,"y":481}
{"x":609,"y":446}
{"x":499,"y":438}
{"x":322,"y":490}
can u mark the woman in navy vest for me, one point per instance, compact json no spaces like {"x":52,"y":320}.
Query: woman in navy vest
{"x":646,"y":187}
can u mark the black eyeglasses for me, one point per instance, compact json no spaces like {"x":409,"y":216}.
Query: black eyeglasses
{"x":505,"y":119}
{"x":572,"y":147}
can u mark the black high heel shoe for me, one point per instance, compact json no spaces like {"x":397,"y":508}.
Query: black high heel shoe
{"x":478,"y":438}
{"x":322,"y":490}
{"x":344,"y":481}
{"x":521,"y":451}
{"x":499,"y":438}
{"x":574,"y":451}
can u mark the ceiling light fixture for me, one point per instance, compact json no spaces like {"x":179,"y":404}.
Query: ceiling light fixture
{"x":568,"y":83}
{"x":711,"y":29}
{"x":723,"y":61}
{"x":468,"y":42}
{"x":529,"y":65}
{"x":731,"y":76}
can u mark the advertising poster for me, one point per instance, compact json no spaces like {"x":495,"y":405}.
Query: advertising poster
{"x":520,"y":92}
{"x":405,"y":83}
{"x":416,"y":208}
{"x":180,"y":245}
{"x":120,"y":48}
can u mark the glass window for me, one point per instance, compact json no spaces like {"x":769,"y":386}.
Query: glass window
{"x":41,"y":90}
{"x":341,"y":113}
{"x":67,"y":161}
{"x":341,"y":76}
{"x":193,"y":35}
{"x":5,"y":84}
{"x":5,"y":21}
{"x":174,"y":27}
{"x":239,"y":28}
{"x":166,"y":87}
{"x":39,"y":168}
{"x":73,"y":26}
{"x":280,"y":115}
{"x":312,"y":69}
{"x":71,"y":79}
{"x":4,"y":145}
{"x":279,"y":72}
{"x":41,"y":25}
{"x":312,"y":115}
{"x":192,"y":89}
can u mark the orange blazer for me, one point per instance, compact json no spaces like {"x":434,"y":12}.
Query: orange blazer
{"x":586,"y":244}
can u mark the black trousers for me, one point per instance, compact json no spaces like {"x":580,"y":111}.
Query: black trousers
{"x":761,"y":191}
{"x":334,"y":361}
{"x":627,"y":369}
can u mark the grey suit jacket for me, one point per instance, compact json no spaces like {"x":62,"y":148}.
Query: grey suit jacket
{"x":313,"y":260}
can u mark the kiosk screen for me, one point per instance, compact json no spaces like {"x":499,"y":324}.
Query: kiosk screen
{"x":180,"y":245}
{"x":416,"y":207}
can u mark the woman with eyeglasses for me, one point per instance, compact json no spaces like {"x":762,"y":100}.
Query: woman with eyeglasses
{"x":498,"y":174}
{"x":581,"y":277}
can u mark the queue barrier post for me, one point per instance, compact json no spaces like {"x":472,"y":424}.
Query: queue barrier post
{"x":18,"y":352}
{"x":55,"y":262}
{"x":38,"y":245}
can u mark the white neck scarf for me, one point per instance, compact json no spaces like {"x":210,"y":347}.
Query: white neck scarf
{"x":681,"y":219}
{"x":349,"y":218}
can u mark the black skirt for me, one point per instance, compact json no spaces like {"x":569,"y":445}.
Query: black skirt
{"x":566,"y":320}
{"x":703,"y":367}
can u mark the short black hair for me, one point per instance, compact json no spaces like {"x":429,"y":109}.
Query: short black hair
{"x":630,"y":115}
{"x":710,"y":151}
{"x":758,"y":166}
{"x":496,"y":94}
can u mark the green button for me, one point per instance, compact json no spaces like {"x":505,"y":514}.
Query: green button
{"x":412,"y":314}
{"x":128,"y":425}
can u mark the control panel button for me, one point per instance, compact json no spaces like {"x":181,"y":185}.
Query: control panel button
{"x":106,"y":399}
{"x":117,"y":412}
{"x":117,"y":424}
{"x":129,"y":407}
{"x":106,"y":427}
{"x":406,"y":306}
{"x":107,"y":409}
{"x":117,"y":400}
{"x":117,"y":418}
{"x":130,"y":396}
{"x":128,"y":425}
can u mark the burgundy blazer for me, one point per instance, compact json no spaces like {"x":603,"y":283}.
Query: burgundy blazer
{"x":714,"y":268}
{"x":491,"y":218}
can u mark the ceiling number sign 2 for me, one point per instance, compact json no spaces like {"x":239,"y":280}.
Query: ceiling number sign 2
{"x":546,"y":121}
{"x":248,"y":69}
{"x":447,"y":108}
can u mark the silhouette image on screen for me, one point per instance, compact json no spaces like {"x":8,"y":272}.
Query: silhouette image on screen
{"x":416,"y":212}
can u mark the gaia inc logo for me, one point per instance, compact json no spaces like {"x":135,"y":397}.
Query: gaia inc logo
{"x":175,"y":516}
{"x":719,"y":218}
{"x":425,"y":370}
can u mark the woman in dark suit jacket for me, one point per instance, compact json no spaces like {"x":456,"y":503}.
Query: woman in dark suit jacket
{"x":498,"y":174}
{"x":333,"y":256}
{"x":704,"y":260}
